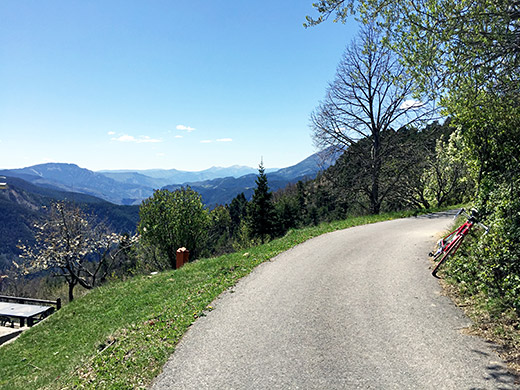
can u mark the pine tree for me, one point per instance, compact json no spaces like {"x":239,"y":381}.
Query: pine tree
{"x":261,"y":209}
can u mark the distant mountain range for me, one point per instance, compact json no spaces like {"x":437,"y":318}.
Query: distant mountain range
{"x":216,"y":185}
{"x":223,"y":190}
{"x":71,"y":178}
{"x":158,"y":178}
{"x":113,"y":195}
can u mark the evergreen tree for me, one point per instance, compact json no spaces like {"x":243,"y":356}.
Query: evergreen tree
{"x":261,"y":209}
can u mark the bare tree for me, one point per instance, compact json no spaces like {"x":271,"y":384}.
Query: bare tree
{"x":74,"y":247}
{"x":370,"y":96}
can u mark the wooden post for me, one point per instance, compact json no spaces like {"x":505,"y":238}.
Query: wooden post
{"x":182,"y":258}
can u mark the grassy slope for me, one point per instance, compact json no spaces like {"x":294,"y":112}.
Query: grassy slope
{"x":119,"y":336}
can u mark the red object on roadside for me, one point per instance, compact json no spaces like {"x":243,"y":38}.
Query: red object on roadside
{"x":183,"y":256}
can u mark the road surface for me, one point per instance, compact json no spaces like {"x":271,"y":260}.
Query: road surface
{"x":353,"y":309}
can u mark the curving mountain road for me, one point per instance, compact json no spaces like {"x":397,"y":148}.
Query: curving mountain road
{"x":353,"y":309}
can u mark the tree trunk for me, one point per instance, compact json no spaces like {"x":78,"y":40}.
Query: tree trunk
{"x":375,"y":204}
{"x":71,"y":291}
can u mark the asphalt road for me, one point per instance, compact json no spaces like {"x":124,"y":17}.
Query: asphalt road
{"x":353,"y":309}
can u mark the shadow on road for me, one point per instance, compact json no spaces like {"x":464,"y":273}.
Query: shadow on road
{"x":440,"y":214}
{"x":498,"y":375}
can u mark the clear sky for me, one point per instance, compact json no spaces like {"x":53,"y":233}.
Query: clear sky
{"x":124,"y":84}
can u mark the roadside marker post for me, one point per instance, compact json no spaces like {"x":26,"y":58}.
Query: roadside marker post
{"x":183,"y":256}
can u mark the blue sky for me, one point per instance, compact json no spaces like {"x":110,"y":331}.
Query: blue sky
{"x":109,"y":84}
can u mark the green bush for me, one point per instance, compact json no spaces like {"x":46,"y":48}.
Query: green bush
{"x":490,"y":264}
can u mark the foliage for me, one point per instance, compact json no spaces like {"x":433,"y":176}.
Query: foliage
{"x":492,"y":133}
{"x":261,"y":212}
{"x":371,"y":95}
{"x":171,"y":220}
{"x":490,"y":265}
{"x":237,"y":211}
{"x":447,"y":177}
{"x":242,"y":237}
{"x":220,"y":232}
{"x":288,"y":211}
{"x":466,"y":54}
{"x":445,"y":43}
{"x":345,"y":187}
{"x":82,"y":253}
{"x":341,"y":8}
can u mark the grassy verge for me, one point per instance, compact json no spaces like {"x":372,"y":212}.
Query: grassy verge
{"x":120,"y":335}
{"x":492,"y":319}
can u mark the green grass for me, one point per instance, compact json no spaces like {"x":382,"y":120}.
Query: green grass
{"x":120,"y":335}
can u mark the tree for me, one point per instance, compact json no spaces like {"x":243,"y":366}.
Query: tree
{"x":219,"y":231}
{"x":412,"y":190}
{"x":370,"y":96}
{"x":170,"y":220}
{"x":80,"y":250}
{"x":446,"y":176}
{"x":288,"y":212}
{"x":237,"y":212}
{"x":465,"y":52}
{"x":261,"y":210}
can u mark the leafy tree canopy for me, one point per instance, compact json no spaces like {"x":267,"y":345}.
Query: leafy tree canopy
{"x":445,"y":42}
{"x":466,"y":53}
{"x":171,"y":220}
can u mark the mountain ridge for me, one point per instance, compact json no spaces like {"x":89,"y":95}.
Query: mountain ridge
{"x":130,"y":187}
{"x":72,"y":178}
{"x":221,"y":191}
{"x":183,"y":176}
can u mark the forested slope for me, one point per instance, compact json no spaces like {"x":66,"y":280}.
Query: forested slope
{"x":22,"y":204}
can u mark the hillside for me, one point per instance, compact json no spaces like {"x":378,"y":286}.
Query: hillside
{"x":71,"y":178}
{"x":21,"y":203}
{"x":222,"y":191}
{"x":137,"y":322}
